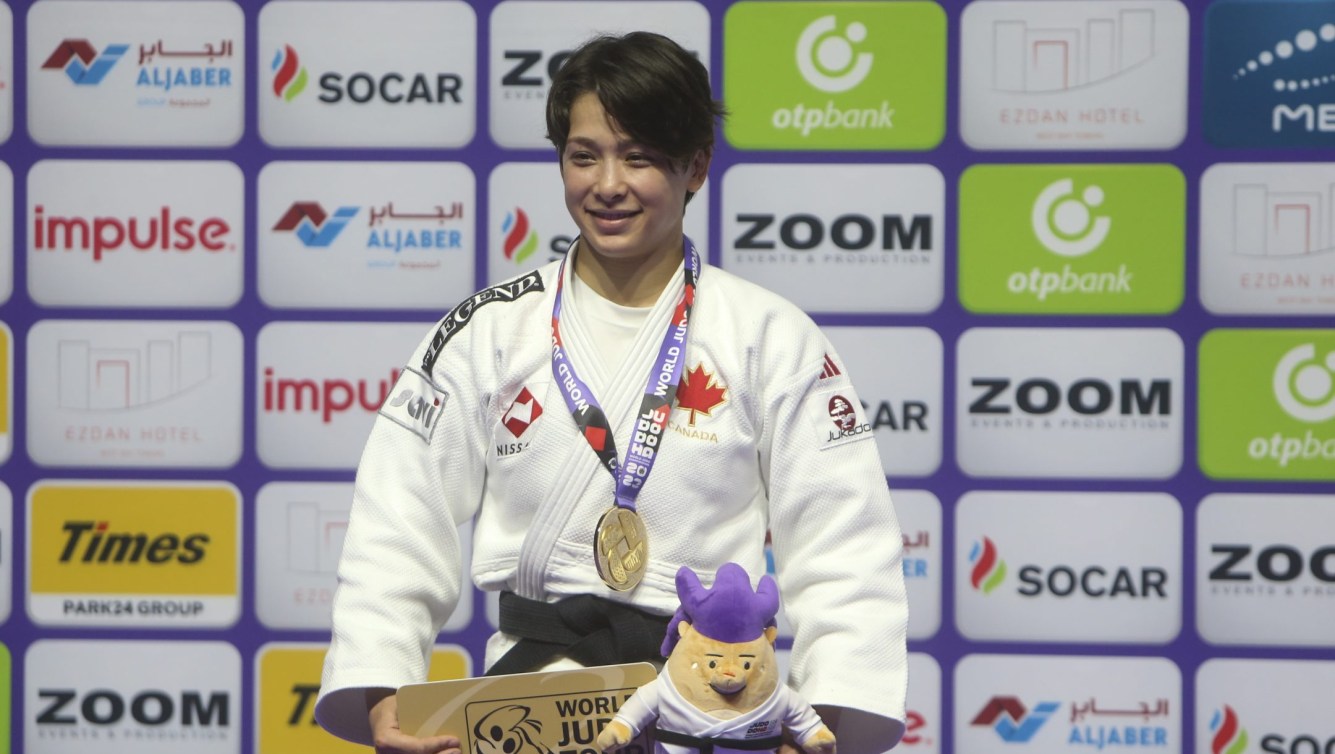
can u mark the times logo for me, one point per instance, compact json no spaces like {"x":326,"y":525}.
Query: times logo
{"x":530,"y":40}
{"x":133,"y":226}
{"x":368,"y":74}
{"x":148,"y":79}
{"x":870,"y":244}
{"x":131,"y":696}
{"x":1016,"y":583}
{"x":1070,"y":402}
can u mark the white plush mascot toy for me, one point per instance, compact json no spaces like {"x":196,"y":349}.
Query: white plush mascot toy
{"x":720,"y":691}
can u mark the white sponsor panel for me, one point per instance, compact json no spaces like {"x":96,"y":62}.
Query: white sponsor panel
{"x":898,"y":374}
{"x":1069,"y":402}
{"x":1267,"y":240}
{"x":134,"y":393}
{"x":366,"y":235}
{"x":530,"y":39}
{"x":319,"y":387}
{"x":1265,"y":569}
{"x":6,"y":552}
{"x":528,"y":227}
{"x":919,"y":514}
{"x":1069,"y":567}
{"x":7,"y":367}
{"x":838,"y":238}
{"x":1074,"y":74}
{"x":135,"y":234}
{"x":922,"y":726}
{"x":136,"y":73}
{"x":6,"y":73}
{"x":132,"y":697}
{"x":388,"y":73}
{"x":1245,"y":705}
{"x":6,"y":227}
{"x":1051,"y":703}
{"x":298,"y":538}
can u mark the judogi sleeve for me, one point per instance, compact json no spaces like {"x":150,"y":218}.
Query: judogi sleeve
{"x":420,"y":476}
{"x":837,"y":547}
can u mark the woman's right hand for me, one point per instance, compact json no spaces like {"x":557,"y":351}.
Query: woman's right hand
{"x":383,"y":710}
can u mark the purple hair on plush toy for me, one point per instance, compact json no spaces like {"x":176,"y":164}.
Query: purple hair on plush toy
{"x":730,"y":611}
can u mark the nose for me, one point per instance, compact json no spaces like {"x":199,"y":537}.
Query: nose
{"x":611,"y":184}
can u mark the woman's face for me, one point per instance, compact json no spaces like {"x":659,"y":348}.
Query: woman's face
{"x":626,"y":198}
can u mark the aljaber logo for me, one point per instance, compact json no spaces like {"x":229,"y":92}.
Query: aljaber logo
{"x":290,"y":79}
{"x":1012,"y":722}
{"x":81,"y":63}
{"x":520,"y":239}
{"x":313,"y":225}
{"x":1228,"y":737}
{"x":1305,"y":386}
{"x":826,"y":58}
{"x":1064,"y":224}
{"x":1269,"y":74}
{"x":988,"y":570}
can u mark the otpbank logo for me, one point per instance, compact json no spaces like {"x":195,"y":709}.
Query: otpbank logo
{"x":1072,"y":239}
{"x":840,"y":75}
{"x":531,"y":40}
{"x":134,"y":393}
{"x":1286,"y":378}
{"x":368,"y":73}
{"x":132,"y":697}
{"x":123,"y":73}
{"x":527,"y":230}
{"x":82,"y":63}
{"x":1267,"y":243}
{"x":1268,"y":73}
{"x":1109,"y":74}
{"x":1086,"y":586}
{"x":1049,"y":704}
{"x":1069,"y":402}
{"x":1227,"y":736}
{"x":383,"y":235}
{"x":134,"y":554}
{"x":288,"y":683}
{"x":136,"y":234}
{"x":321,"y":385}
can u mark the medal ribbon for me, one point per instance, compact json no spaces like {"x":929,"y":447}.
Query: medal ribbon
{"x":659,"y":392}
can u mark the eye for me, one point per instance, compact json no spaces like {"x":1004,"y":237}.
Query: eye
{"x":713,"y":664}
{"x":746,"y":666}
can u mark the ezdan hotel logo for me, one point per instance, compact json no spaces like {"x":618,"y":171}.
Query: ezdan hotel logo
{"x":835,"y":75}
{"x":1287,"y":379}
{"x":1270,"y":73}
{"x":1072,"y":239}
{"x":82,"y":63}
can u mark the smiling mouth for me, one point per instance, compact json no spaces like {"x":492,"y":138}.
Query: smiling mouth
{"x":603,"y":214}
{"x":726,"y":691}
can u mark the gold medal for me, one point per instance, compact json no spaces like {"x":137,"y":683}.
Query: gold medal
{"x":621,"y":548}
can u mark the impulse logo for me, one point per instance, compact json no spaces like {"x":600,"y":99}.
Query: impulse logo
{"x":81,"y":63}
{"x":520,"y":239}
{"x":311,"y":224}
{"x":290,"y":77}
{"x":325,"y":397}
{"x":1227,"y":736}
{"x":988,"y":570}
{"x":1012,"y":722}
{"x":101,"y":235}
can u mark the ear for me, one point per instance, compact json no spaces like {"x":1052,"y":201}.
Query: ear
{"x":699,"y":170}
{"x":772,"y":633}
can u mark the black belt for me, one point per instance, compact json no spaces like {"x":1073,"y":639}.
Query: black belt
{"x":706,"y":745}
{"x":589,"y":630}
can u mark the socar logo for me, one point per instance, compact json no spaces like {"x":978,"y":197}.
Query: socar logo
{"x":1227,"y":736}
{"x":988,"y":570}
{"x":290,"y":79}
{"x":520,"y":239}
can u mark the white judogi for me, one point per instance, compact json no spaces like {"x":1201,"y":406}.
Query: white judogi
{"x":475,"y":429}
{"x":660,"y":699}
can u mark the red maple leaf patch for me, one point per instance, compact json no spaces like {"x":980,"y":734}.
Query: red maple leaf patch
{"x":700,"y":393}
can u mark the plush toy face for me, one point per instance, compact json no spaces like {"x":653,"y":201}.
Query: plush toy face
{"x":721,"y":678}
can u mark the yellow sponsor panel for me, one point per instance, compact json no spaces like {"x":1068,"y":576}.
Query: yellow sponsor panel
{"x":134,"y":539}
{"x":288,"y":676}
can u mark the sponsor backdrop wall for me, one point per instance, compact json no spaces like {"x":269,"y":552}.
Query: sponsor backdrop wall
{"x":1079,"y":256}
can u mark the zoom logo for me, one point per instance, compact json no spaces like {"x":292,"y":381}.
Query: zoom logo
{"x":1066,"y":225}
{"x":1305,"y":385}
{"x":826,"y":57}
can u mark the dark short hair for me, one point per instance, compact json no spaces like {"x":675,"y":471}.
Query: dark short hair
{"x":651,"y":88}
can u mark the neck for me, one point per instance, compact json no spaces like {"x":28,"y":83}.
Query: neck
{"x":634,"y":281}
